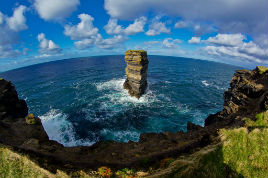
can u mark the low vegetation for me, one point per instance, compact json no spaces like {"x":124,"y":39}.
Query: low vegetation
{"x":262,"y":69}
{"x":30,"y":119}
{"x":242,"y":152}
{"x":14,"y":165}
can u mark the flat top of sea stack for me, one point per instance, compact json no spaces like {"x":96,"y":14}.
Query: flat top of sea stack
{"x":135,"y":52}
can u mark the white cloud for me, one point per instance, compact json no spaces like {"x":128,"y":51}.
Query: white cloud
{"x":1,"y":18}
{"x":194,"y":40}
{"x":170,"y":43}
{"x":18,"y":22}
{"x":157,"y":27}
{"x":233,"y":16}
{"x":7,"y":51}
{"x":87,"y":34}
{"x":85,"y":43}
{"x":137,"y":26}
{"x":197,"y":27}
{"x":110,"y":43}
{"x":84,"y":29}
{"x":112,"y":28}
{"x":9,"y":28}
{"x":47,"y":46}
{"x":55,"y":9}
{"x":233,"y":45}
{"x":180,"y":24}
{"x":227,"y":39}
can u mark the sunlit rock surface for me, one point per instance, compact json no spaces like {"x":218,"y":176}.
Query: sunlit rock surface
{"x":136,"y":71}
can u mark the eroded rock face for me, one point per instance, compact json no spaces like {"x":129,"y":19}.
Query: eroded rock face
{"x":10,"y":104}
{"x":136,"y":71}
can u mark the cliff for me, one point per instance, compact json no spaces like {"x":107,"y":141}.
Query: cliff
{"x":136,"y":71}
{"x":246,"y":97}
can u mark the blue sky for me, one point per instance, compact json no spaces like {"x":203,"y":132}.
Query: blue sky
{"x":228,"y":31}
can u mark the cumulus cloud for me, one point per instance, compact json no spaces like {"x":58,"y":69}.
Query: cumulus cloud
{"x":55,"y":9}
{"x":194,"y":40}
{"x":233,"y":45}
{"x":239,"y":16}
{"x":227,"y":39}
{"x":87,"y":35}
{"x":113,"y":28}
{"x":18,"y":22}
{"x":47,"y":46}
{"x":84,"y":29}
{"x":137,"y":26}
{"x":9,"y":28}
{"x":180,"y":24}
{"x":171,"y":43}
{"x":157,"y":27}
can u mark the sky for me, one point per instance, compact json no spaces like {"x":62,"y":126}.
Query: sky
{"x":228,"y":31}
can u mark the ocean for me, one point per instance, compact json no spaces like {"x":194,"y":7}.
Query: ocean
{"x":81,"y":101}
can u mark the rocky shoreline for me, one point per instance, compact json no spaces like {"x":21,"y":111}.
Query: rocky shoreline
{"x":247,"y":96}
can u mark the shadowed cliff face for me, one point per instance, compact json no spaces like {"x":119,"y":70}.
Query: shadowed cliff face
{"x":246,"y":97}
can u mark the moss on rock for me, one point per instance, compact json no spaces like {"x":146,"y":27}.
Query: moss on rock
{"x":31,"y":119}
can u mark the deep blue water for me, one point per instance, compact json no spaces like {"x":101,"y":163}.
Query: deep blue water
{"x":81,"y":101}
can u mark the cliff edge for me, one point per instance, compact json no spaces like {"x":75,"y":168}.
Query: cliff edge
{"x":246,"y":97}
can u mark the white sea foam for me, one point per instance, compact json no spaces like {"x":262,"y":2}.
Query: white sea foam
{"x":118,"y":95}
{"x":60,"y":129}
{"x":204,"y":82}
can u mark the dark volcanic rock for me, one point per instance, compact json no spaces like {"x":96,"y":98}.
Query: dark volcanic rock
{"x":136,"y":71}
{"x":246,"y":97}
{"x":10,"y":104}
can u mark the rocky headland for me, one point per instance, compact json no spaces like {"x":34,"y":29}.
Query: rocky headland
{"x":246,"y":97}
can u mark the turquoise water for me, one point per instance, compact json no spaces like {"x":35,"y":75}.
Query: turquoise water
{"x":81,"y":101}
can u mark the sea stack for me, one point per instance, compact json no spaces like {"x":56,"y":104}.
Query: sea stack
{"x":136,"y":71}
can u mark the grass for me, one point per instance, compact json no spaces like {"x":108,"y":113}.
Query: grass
{"x":262,"y":69}
{"x":242,"y":152}
{"x":14,"y":165}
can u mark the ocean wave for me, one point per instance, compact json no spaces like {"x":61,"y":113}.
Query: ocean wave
{"x":60,"y":129}
{"x":116,"y":94}
{"x":204,"y":82}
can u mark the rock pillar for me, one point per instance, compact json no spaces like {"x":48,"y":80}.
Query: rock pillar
{"x":136,"y":71}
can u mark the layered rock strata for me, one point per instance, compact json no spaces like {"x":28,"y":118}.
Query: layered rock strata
{"x":136,"y":71}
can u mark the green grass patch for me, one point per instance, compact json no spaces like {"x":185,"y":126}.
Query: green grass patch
{"x":261,"y":120}
{"x":15,"y":165}
{"x":262,"y":69}
{"x":242,"y":152}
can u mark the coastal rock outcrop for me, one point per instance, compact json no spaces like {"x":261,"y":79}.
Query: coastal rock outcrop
{"x":246,"y":97}
{"x":136,"y":71}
